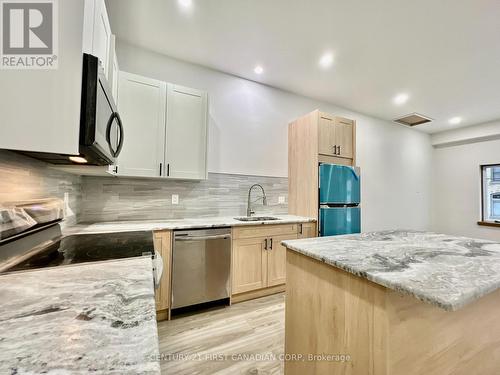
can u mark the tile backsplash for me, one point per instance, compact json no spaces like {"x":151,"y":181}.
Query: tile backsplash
{"x":94,"y":199}
{"x":116,"y":199}
{"x":24,"y":178}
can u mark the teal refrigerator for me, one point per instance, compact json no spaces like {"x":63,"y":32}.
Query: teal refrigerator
{"x":339,"y":200}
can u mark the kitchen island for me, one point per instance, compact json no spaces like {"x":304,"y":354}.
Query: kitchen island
{"x":392,"y":302}
{"x":87,"y":318}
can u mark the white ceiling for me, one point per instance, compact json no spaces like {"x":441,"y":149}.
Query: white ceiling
{"x":445,"y":54}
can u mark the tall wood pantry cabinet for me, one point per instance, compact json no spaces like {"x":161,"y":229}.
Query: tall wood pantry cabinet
{"x":315,"y":138}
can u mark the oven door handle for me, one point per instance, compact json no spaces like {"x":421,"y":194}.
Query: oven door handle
{"x":203,"y":238}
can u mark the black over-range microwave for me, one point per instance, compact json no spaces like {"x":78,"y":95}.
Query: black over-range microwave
{"x":101,"y":129}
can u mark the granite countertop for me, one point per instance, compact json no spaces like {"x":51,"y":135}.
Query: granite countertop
{"x":86,"y":318}
{"x":205,"y":222}
{"x":445,"y":271}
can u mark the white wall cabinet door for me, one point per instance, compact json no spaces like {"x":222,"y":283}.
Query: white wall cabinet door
{"x":113,"y":68}
{"x":186,"y":134}
{"x":115,"y":71}
{"x":141,"y":104}
{"x":101,"y":41}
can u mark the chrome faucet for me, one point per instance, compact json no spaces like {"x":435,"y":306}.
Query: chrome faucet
{"x":249,"y":203}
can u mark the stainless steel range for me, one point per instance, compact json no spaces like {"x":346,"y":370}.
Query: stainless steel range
{"x":30,"y":237}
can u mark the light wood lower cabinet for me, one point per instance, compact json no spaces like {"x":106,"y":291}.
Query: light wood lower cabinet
{"x":249,"y":260}
{"x":276,"y":260}
{"x":163,"y":245}
{"x":259,"y":259}
{"x":307,"y":230}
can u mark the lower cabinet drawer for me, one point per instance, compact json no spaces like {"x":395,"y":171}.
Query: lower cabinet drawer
{"x":264,"y":231}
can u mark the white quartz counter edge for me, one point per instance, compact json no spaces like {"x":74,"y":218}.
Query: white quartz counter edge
{"x":208,"y":222}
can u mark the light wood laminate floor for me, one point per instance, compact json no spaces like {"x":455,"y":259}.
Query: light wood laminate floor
{"x":245,"y":338}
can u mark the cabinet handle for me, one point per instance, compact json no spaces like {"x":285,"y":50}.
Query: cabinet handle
{"x":340,"y":152}
{"x":271,"y":240}
{"x":300,"y":228}
{"x":161,"y":165}
{"x":335,"y":150}
{"x":168,"y":169}
{"x":265,"y":244}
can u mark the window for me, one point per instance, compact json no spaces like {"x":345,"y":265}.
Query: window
{"x":491,"y":193}
{"x":495,"y":206}
{"x":495,"y":174}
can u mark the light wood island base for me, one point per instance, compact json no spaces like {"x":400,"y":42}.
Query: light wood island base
{"x":330,"y":311}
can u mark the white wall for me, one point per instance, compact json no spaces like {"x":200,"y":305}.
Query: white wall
{"x":476,"y":133}
{"x":457,"y":188}
{"x":248,"y":135}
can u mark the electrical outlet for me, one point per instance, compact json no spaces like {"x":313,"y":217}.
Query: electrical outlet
{"x":281,"y":199}
{"x":175,"y":199}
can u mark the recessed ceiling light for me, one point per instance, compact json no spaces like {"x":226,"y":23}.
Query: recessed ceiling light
{"x":326,"y":60}
{"x":78,"y":159}
{"x":258,"y":69}
{"x":400,"y":99}
{"x":186,"y":3}
{"x":455,"y":120}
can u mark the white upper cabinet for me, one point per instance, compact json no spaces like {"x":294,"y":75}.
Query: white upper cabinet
{"x":165,"y":129}
{"x":114,"y":78}
{"x":40,"y":109}
{"x":101,"y":41}
{"x":186,"y":135}
{"x":52,"y":123}
{"x":113,"y":68}
{"x":141,"y":104}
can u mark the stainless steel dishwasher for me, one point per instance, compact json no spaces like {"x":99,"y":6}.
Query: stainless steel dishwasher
{"x":201,"y":266}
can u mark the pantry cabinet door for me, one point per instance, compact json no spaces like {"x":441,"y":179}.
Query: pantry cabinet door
{"x":326,"y":134}
{"x":141,"y":104}
{"x":344,"y":131}
{"x":186,"y":134}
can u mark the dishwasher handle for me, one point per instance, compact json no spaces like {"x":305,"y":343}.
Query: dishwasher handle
{"x":203,"y":238}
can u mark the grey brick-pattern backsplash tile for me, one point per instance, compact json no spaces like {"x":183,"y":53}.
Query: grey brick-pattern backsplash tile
{"x":24,"y":178}
{"x":117,"y":199}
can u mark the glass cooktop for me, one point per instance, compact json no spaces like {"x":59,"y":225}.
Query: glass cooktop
{"x":84,"y":248}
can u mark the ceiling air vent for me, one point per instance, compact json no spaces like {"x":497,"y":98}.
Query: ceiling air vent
{"x":413,"y":119}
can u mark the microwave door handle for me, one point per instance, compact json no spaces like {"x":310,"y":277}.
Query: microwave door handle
{"x":114,"y":116}
{"x":120,"y":127}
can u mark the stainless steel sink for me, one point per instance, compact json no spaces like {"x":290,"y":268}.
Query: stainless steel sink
{"x":256,"y":218}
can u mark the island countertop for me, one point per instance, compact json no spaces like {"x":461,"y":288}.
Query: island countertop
{"x":93,"y":317}
{"x":446,"y":271}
